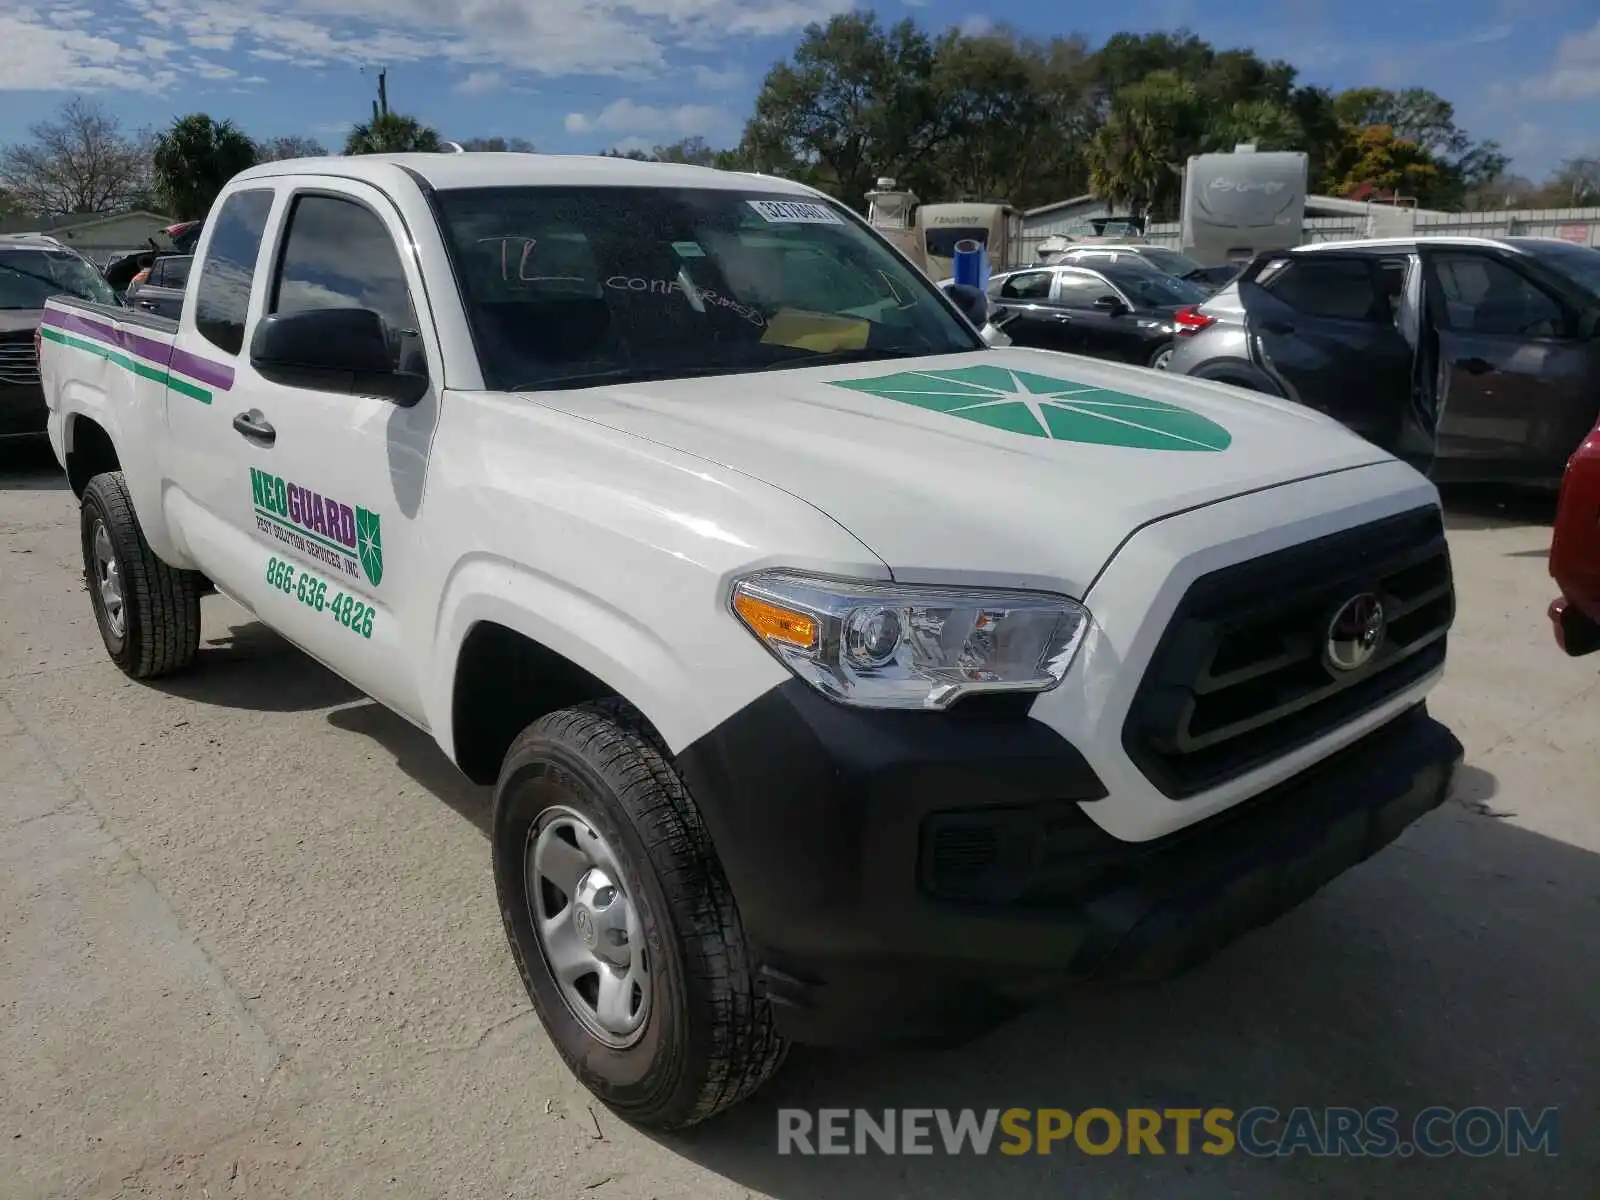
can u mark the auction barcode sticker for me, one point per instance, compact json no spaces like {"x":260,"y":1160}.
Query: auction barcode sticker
{"x":795,"y":212}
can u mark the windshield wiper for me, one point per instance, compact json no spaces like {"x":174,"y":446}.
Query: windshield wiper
{"x":860,"y":354}
{"x":624,"y":375}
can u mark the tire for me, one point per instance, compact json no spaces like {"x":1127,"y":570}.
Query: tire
{"x":706,"y":1038}
{"x":1158,"y":360}
{"x":154,"y":628}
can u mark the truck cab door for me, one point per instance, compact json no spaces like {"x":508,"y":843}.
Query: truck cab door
{"x":1514,"y":379}
{"x":1032,"y":318}
{"x":332,"y":499}
{"x":1324,"y":326}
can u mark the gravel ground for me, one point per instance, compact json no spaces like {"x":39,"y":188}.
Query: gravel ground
{"x":249,"y":947}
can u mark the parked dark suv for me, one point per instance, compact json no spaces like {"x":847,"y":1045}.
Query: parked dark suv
{"x":32,"y":269}
{"x":1476,"y":359}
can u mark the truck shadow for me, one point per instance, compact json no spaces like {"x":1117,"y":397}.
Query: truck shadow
{"x":279,"y":677}
{"x":30,"y":465}
{"x":419,"y":757}
{"x":1485,"y":506}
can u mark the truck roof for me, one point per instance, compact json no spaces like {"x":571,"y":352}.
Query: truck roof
{"x":498,"y":169}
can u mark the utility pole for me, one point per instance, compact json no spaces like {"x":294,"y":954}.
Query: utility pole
{"x":380,"y":106}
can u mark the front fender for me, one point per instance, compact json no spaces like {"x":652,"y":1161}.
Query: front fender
{"x":682,"y":698}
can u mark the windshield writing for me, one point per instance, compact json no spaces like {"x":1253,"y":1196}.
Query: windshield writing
{"x":618,"y":283}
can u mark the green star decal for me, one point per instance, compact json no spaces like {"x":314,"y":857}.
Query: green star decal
{"x":1038,"y":406}
{"x":369,"y":545}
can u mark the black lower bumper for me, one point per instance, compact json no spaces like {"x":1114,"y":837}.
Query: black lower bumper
{"x":911,"y":875}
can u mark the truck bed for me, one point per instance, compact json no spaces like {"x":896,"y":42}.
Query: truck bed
{"x":136,"y":341}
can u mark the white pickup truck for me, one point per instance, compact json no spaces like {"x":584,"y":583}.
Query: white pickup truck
{"x":840,"y":677}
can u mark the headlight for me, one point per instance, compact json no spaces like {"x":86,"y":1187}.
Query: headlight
{"x":881,"y":645}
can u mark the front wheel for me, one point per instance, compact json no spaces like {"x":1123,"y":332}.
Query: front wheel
{"x":148,"y":612}
{"x":622,"y":923}
{"x":1160,"y":359}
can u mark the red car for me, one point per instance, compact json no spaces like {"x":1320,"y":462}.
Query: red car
{"x":1575,"y":552}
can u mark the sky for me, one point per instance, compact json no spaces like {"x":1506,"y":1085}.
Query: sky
{"x":578,"y":77}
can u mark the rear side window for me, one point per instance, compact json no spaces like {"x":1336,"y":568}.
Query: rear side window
{"x":1081,"y":290}
{"x":1031,"y":285}
{"x":175,"y":272}
{"x":222,"y":296}
{"x":1340,"y":288}
{"x":1484,"y":295}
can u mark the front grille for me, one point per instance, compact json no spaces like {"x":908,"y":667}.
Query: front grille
{"x":1241,"y":678}
{"x":19,"y":362}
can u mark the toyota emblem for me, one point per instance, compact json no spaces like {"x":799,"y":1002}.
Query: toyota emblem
{"x":1355,"y":633}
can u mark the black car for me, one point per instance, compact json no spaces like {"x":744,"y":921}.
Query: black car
{"x":1123,"y":312}
{"x":32,"y":269}
{"x":160,"y":289}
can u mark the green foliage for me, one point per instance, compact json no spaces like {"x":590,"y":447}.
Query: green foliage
{"x":391,"y":133}
{"x":193,"y":161}
{"x":1000,"y":115}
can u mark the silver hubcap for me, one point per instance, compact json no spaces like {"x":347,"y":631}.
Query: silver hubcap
{"x":1162,"y":359}
{"x":108,"y":576}
{"x":587,"y":927}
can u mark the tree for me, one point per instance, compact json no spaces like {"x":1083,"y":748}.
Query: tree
{"x":1137,"y":158}
{"x":1269,"y":125}
{"x":857,"y":101}
{"x":194,"y":160}
{"x":279,"y":148}
{"x":80,"y":162}
{"x":1427,"y":121}
{"x":498,"y":145}
{"x":692,"y":150}
{"x":1374,"y":160}
{"x":1573,"y":184}
{"x":1016,"y":114}
{"x":391,"y":133}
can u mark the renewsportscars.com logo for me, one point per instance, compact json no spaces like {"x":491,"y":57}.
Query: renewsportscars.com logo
{"x":1260,"y":1132}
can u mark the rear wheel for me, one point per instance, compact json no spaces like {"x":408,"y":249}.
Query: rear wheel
{"x":1162,"y":356}
{"x":622,"y":923}
{"x":147,"y":611}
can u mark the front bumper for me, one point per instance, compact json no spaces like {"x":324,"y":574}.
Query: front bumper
{"x":1576,"y":631}
{"x":910,"y":875}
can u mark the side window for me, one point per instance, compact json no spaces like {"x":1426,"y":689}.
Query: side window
{"x":1029,"y":285}
{"x":176,"y":272}
{"x":1081,"y":290}
{"x":222,"y":296}
{"x":1483,"y":295}
{"x":158,"y":273}
{"x":338,"y":254}
{"x":1341,"y":288}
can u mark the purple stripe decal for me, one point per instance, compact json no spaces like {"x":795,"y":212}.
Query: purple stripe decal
{"x":206,"y":371}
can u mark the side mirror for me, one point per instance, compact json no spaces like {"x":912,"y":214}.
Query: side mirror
{"x":1111,"y":305}
{"x":335,"y":350}
{"x":973,"y":302}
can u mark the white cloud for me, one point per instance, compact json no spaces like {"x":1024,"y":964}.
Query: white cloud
{"x":65,"y":45}
{"x":715,"y":80}
{"x":977,"y":25}
{"x":478,"y":82}
{"x":1575,"y":74}
{"x":637,"y":120}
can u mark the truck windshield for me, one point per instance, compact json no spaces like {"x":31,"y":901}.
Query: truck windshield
{"x":566,"y":285}
{"x":942,"y":241}
{"x":30,"y":277}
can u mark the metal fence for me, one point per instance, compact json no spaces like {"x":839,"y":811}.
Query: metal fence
{"x":1580,"y":226}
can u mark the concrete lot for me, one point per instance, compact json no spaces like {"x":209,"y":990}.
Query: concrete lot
{"x":248,"y":947}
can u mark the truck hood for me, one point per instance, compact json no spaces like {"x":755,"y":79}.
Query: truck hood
{"x":1015,"y":466}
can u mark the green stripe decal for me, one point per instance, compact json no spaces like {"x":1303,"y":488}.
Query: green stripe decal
{"x":310,"y":537}
{"x":138,"y":366}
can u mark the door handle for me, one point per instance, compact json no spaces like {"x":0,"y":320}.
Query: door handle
{"x":253,"y":427}
{"x":1476,"y":366}
{"x":1061,"y":316}
{"x":150,"y":304}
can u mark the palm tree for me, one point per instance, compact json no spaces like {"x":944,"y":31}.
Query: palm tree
{"x":193,"y":161}
{"x":391,"y":133}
